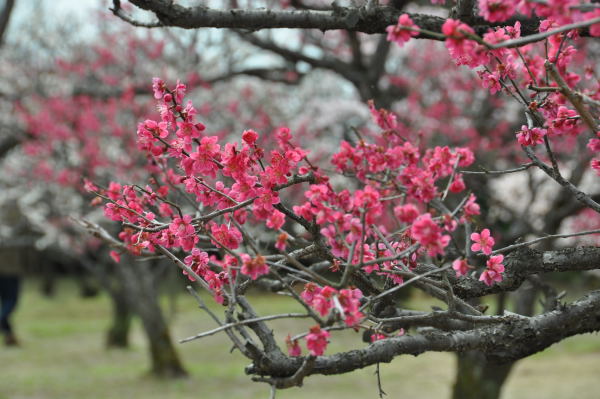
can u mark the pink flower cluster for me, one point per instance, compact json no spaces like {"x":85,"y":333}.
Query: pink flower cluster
{"x":198,"y":262}
{"x":317,"y":340}
{"x":237,"y":182}
{"x":429,"y":234}
{"x":255,"y":267}
{"x":256,"y":181}
{"x":531,"y":137}
{"x":323,"y":300}
{"x":507,"y":68}
{"x":494,"y":270}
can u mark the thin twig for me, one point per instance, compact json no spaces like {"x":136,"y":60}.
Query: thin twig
{"x":404,"y":284}
{"x":242,"y":322}
{"x":229,"y":333}
{"x":549,"y":237}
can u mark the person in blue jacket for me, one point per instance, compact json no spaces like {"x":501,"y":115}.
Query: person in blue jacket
{"x":10,"y":284}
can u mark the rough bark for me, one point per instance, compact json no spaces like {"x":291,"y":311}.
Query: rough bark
{"x":525,"y":262}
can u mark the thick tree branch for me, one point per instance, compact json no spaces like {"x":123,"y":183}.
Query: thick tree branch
{"x":357,"y":19}
{"x":514,"y":339}
{"x":524,"y":262}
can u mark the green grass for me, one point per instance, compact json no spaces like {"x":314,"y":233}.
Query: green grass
{"x":63,"y":356}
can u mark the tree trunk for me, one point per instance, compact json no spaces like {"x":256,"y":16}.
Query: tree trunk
{"x":118,"y":333}
{"x":48,"y":283}
{"x":143,"y":296}
{"x":478,"y":379}
{"x":165,"y":360}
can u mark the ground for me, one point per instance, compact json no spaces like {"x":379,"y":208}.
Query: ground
{"x":63,"y":357}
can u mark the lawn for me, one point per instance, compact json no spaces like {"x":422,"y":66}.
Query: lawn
{"x":63,"y":356}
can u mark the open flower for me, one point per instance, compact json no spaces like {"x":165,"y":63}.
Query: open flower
{"x":482,"y":242}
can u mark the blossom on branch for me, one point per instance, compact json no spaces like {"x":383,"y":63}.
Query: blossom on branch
{"x":482,"y":242}
{"x":255,"y":267}
{"x":317,"y":340}
{"x":427,"y":233}
{"x":531,"y":137}
{"x":403,"y":31}
{"x":494,"y":270}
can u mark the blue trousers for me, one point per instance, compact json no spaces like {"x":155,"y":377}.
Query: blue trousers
{"x":9,"y":294}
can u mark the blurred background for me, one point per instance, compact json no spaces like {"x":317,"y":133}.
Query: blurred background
{"x":74,"y":83}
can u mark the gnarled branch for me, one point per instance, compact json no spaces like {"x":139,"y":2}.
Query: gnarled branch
{"x":512,"y":340}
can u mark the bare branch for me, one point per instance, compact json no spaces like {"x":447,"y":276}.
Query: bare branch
{"x":242,"y":322}
{"x":498,"y":172}
{"x":577,"y":193}
{"x":549,"y":237}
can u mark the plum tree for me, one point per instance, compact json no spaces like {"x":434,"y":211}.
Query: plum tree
{"x":402,"y":215}
{"x":422,"y":197}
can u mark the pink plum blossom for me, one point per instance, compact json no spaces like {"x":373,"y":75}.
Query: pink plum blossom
{"x":316,"y":341}
{"x":482,"y":242}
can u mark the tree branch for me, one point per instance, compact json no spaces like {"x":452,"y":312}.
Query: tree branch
{"x":577,"y":193}
{"x":357,"y":19}
{"x":511,"y":340}
{"x":5,"y":18}
{"x":331,"y":64}
{"x":524,"y":262}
